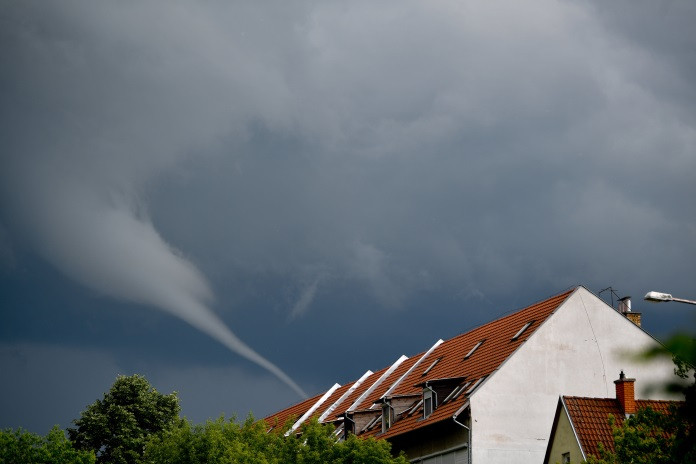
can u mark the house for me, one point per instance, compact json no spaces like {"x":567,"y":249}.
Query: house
{"x":488,"y":395}
{"x":581,"y":423}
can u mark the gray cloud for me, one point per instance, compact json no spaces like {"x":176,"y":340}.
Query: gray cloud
{"x":456,"y":113}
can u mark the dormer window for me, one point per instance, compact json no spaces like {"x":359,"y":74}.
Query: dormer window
{"x":468,"y":355}
{"x":521,"y":331}
{"x":387,"y":416}
{"x":429,"y":402}
{"x":348,"y":426}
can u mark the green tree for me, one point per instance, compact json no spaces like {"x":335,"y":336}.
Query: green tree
{"x":22,"y":447}
{"x":117,"y":427}
{"x":228,"y":442}
{"x":644,"y":438}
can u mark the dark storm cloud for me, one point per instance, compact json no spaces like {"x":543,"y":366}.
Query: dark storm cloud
{"x":76,"y":195}
{"x":314,"y":156}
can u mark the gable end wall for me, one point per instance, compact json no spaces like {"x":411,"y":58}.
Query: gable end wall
{"x":579,"y":351}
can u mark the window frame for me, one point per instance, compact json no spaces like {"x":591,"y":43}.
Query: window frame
{"x":429,"y":397}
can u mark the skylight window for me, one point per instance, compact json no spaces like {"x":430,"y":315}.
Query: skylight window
{"x":378,"y":420}
{"x":453,"y":394}
{"x":521,"y":331}
{"x":461,"y":390}
{"x":431,"y":366}
{"x":468,"y":355}
{"x":474,"y":386}
{"x":371,"y":423}
{"x":415,"y":408}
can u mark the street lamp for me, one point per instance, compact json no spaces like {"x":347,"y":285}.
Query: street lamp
{"x":658,"y":297}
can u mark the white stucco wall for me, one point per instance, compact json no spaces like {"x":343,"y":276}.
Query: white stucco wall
{"x":578,"y":351}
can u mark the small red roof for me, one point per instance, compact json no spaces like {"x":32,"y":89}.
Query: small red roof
{"x":590,"y":419}
{"x":500,"y":338}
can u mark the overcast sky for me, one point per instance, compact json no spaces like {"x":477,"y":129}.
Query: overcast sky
{"x":249,"y":201}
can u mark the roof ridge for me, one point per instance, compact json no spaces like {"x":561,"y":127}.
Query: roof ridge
{"x":515,"y":311}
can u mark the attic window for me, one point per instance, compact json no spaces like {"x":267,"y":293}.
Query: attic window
{"x":521,"y":331}
{"x":468,"y":355}
{"x":387,"y":417}
{"x":429,"y":401}
{"x":431,"y":366}
{"x":348,"y":426}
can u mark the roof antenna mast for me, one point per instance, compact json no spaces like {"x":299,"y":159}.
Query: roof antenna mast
{"x":612,"y":294}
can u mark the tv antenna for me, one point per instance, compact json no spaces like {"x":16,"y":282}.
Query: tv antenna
{"x":612,"y":294}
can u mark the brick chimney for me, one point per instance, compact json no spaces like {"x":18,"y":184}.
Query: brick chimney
{"x":625,"y":394}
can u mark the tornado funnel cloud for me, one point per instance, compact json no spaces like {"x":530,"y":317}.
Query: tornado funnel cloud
{"x":213,"y":326}
{"x":111,"y":247}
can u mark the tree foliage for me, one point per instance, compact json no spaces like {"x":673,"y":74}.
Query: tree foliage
{"x":117,"y":427}
{"x":22,"y":447}
{"x":648,"y":437}
{"x":229,"y":442}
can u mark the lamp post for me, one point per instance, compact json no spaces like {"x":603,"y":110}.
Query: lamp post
{"x":658,"y":297}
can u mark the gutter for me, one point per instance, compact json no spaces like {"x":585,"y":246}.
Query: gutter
{"x":468,"y":429}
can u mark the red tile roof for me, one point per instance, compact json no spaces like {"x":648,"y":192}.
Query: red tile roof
{"x":498,"y":345}
{"x":292,"y":413}
{"x":590,"y":419}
